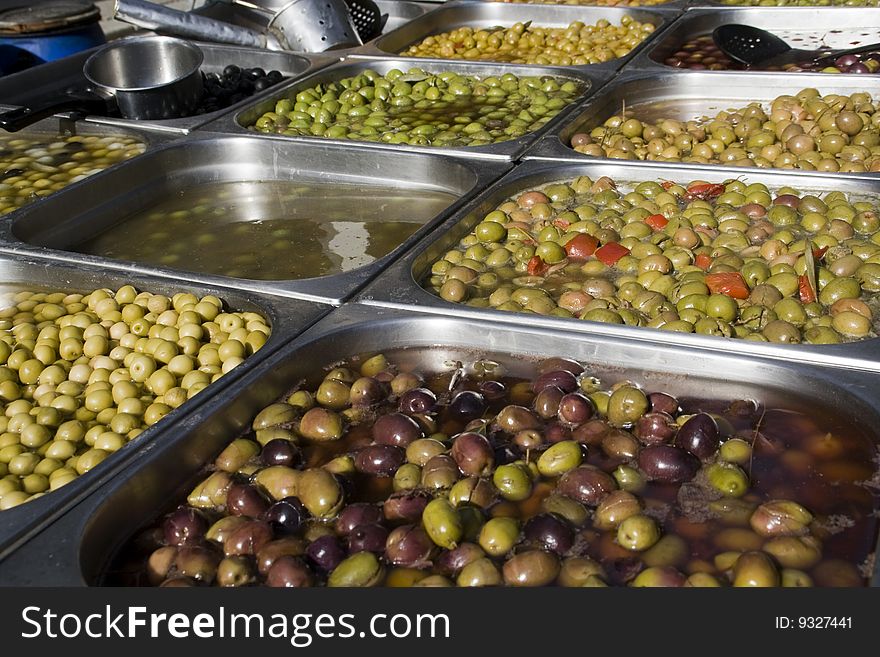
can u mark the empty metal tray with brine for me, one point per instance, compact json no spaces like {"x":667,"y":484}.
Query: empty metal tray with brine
{"x":271,"y":216}
{"x":806,"y":442}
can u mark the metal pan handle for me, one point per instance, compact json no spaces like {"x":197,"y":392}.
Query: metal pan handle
{"x":83,"y":102}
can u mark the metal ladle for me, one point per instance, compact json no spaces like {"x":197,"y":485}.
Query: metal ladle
{"x":753,"y":46}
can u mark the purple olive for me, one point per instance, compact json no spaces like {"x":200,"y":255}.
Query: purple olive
{"x":546,"y":402}
{"x":663,"y":403}
{"x":699,"y":435}
{"x":555,"y":432}
{"x":287,"y":515}
{"x":586,"y":484}
{"x":562,"y":379}
{"x":846,"y":60}
{"x":281,"y":452}
{"x":467,"y":405}
{"x":357,"y":515}
{"x":575,"y":408}
{"x":668,"y":464}
{"x":655,"y":427}
{"x":591,"y":432}
{"x":379,"y":460}
{"x":396,"y":429}
{"x":245,"y":500}
{"x":514,"y":418}
{"x":367,"y":538}
{"x":185,"y":526}
{"x":473,"y":453}
{"x":406,"y":505}
{"x":550,"y":532}
{"x":366,"y":391}
{"x":248,"y":538}
{"x":289,"y":546}
{"x":289,"y":571}
{"x":492,"y":390}
{"x":417,"y":401}
{"x":325,"y":552}
{"x":409,"y":546}
{"x":564,"y":364}
{"x":450,"y":562}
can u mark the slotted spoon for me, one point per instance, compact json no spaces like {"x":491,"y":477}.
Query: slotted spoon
{"x":753,"y":46}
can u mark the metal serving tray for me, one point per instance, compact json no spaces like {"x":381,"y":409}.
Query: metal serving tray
{"x":65,"y":219}
{"x":675,"y":4}
{"x":488,"y":14}
{"x":652,"y":94}
{"x":82,"y":542}
{"x":54,"y":78}
{"x":287,"y":317}
{"x":506,"y":150}
{"x":801,"y":27}
{"x":398,"y":287}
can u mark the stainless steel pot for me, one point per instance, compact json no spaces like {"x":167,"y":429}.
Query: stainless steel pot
{"x":154,"y":77}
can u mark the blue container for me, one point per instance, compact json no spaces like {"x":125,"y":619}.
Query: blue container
{"x":34,"y":34}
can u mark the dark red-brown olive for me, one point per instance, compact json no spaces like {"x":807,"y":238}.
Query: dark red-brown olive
{"x":529,"y":439}
{"x":555,"y":432}
{"x":663,"y":403}
{"x":699,"y":435}
{"x":288,"y":546}
{"x":184,"y":526}
{"x":575,"y":408}
{"x":515,"y":418}
{"x":379,"y":460}
{"x":281,"y":452}
{"x":441,"y":471}
{"x":245,"y":500}
{"x":356,"y":515}
{"x":546,"y":402}
{"x":287,"y":515}
{"x":562,"y":379}
{"x":554,"y":364}
{"x":586,"y":484}
{"x":289,"y":571}
{"x":248,"y":539}
{"x":198,"y":563}
{"x":591,"y":432}
{"x":366,"y":391}
{"x":450,"y":562}
{"x":409,"y":546}
{"x":668,"y":464}
{"x":492,"y":390}
{"x":473,"y":453}
{"x":396,"y":429}
{"x":550,"y":532}
{"x":655,"y":427}
{"x":367,"y":538}
{"x":406,"y":505}
{"x":326,"y":553}
{"x":417,"y":401}
{"x":467,"y":405}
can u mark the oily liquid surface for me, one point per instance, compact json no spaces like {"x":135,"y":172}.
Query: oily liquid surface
{"x":271,"y":230}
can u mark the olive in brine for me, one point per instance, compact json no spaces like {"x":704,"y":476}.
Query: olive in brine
{"x":185,"y":526}
{"x":780,"y":518}
{"x":699,"y":435}
{"x":286,"y":515}
{"x":515,"y":418}
{"x":409,"y":546}
{"x":532,"y":568}
{"x":755,"y":569}
{"x":586,"y":484}
{"x":320,"y":493}
{"x":320,"y":425}
{"x":325,"y":553}
{"x":513,"y":481}
{"x":359,"y":570}
{"x":289,"y":572}
{"x":407,"y":505}
{"x":442,"y":523}
{"x":549,"y":532}
{"x":245,"y":500}
{"x":480,"y":572}
{"x":668,"y":464}
{"x":637,"y":533}
{"x":417,"y":401}
{"x":659,"y":576}
{"x":357,"y":515}
{"x":472,"y":453}
{"x":395,"y":429}
{"x":655,"y":427}
{"x":626,"y":405}
{"x":379,"y":460}
{"x":367,"y":538}
{"x":467,"y":405}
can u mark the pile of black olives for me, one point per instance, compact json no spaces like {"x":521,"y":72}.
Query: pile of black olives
{"x":233,"y":85}
{"x":383,"y":475}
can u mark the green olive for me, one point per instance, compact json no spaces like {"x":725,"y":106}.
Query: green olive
{"x":362,"y":569}
{"x":637,"y":533}
{"x":498,"y":536}
{"x":442,"y":523}
{"x":626,"y":406}
{"x":513,"y":482}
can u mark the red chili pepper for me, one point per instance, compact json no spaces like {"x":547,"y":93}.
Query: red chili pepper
{"x":537,"y":267}
{"x":805,"y":290}
{"x":702,"y":261}
{"x":666,"y":184}
{"x":730,"y":283}
{"x":704,"y":191}
{"x":818,"y":253}
{"x":657,"y":221}
{"x":610,"y":253}
{"x":581,"y":247}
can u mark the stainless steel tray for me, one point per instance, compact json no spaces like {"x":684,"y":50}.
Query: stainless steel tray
{"x":82,"y":542}
{"x":398,"y":287}
{"x":54,"y":78}
{"x":669,"y":94}
{"x":507,"y":150}
{"x":65,"y":219}
{"x":487,"y":14}
{"x":288,"y":317}
{"x":801,"y":27}
{"x":674,"y":4}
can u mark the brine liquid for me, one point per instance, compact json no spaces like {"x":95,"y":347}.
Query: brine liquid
{"x":271,"y":230}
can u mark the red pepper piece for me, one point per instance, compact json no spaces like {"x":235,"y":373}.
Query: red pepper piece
{"x":805,"y":290}
{"x":729,"y":283}
{"x":610,"y":253}
{"x":704,"y":191}
{"x":537,"y":267}
{"x":657,"y":221}
{"x":703,"y":261}
{"x":581,"y":247}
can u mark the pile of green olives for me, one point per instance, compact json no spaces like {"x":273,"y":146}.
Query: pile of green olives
{"x":83,"y":374}
{"x":716,"y":259}
{"x":33,"y":165}
{"x":575,"y":45}
{"x":379,"y":475}
{"x":802,"y":131}
{"x":421,"y":108}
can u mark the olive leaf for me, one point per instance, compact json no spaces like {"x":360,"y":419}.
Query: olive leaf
{"x":413,"y":77}
{"x":810,"y":263}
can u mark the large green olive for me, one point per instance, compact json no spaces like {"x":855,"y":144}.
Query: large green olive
{"x":442,"y":523}
{"x":626,"y":405}
{"x":320,"y":492}
{"x":359,"y":570}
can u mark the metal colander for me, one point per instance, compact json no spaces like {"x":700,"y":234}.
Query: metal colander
{"x":316,"y":25}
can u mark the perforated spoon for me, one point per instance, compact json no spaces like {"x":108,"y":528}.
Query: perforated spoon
{"x":753,"y":46}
